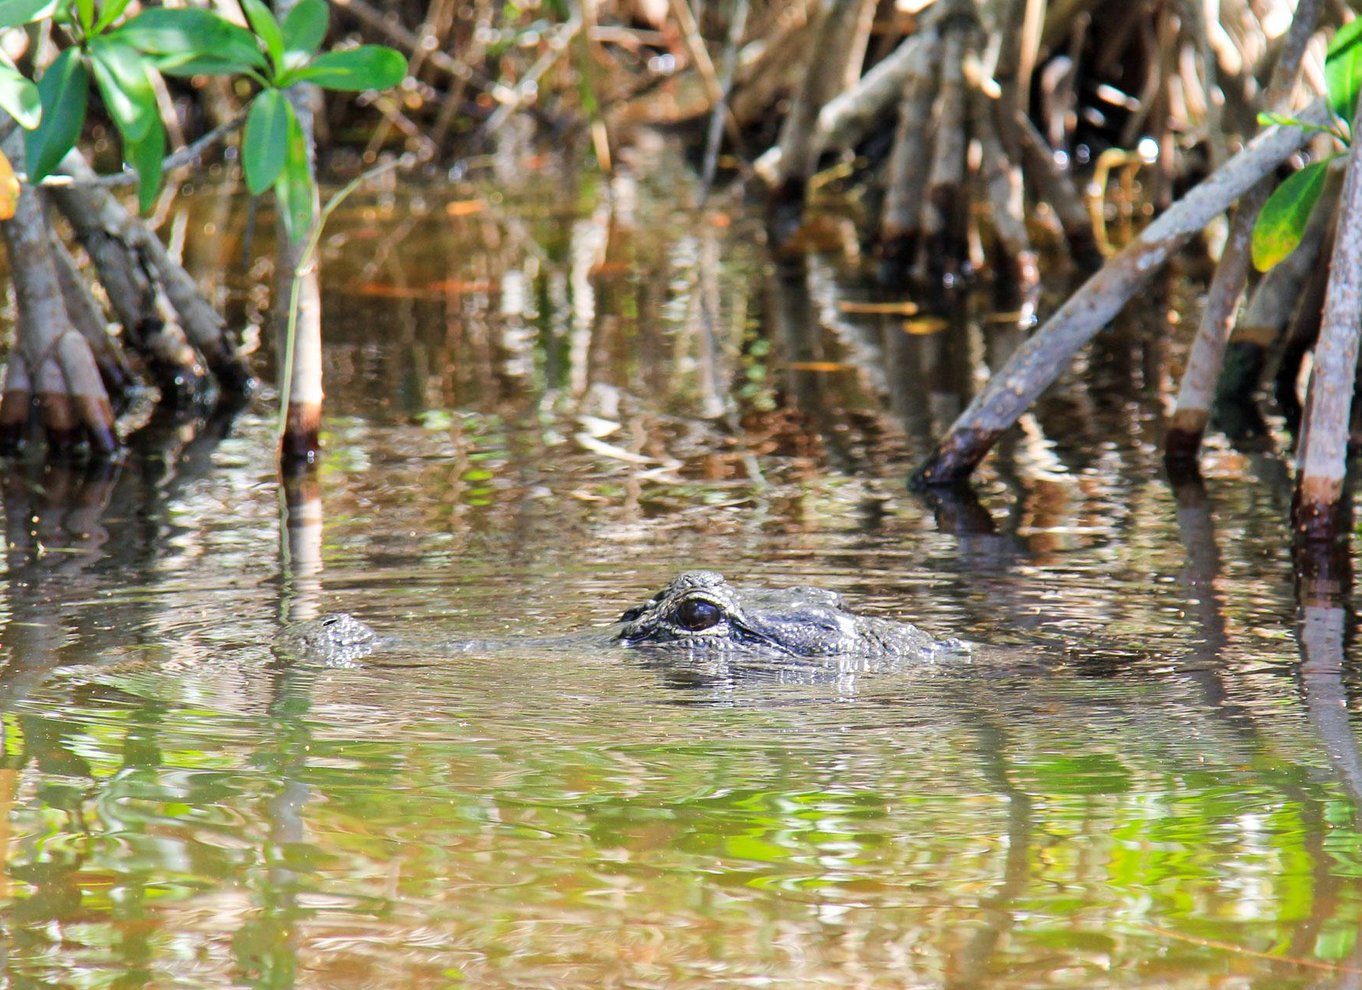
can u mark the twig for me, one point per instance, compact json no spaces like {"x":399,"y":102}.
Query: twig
{"x":188,"y":155}
{"x":528,"y":85}
{"x":695,"y":44}
{"x":396,"y":32}
{"x":716,"y":122}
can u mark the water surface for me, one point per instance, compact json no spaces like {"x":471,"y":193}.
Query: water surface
{"x":541,"y":407}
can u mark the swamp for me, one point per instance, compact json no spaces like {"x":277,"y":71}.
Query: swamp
{"x":571,"y":349}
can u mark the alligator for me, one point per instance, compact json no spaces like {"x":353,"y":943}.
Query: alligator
{"x":697,"y":615}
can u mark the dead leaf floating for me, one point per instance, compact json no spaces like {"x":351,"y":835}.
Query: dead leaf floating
{"x":902,"y":307}
{"x":925,"y":325}
{"x":464,"y":207}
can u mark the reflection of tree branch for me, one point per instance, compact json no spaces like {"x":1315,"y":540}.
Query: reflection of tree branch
{"x":1323,"y":582}
{"x":793,"y":326}
{"x":266,"y":946}
{"x":1196,"y":529}
{"x":55,"y":530}
{"x":972,"y":962}
{"x":1238,"y":950}
{"x":300,"y":545}
{"x":1323,"y":632}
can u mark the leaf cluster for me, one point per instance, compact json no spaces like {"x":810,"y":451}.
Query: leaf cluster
{"x":1281,"y":222}
{"x":125,"y":58}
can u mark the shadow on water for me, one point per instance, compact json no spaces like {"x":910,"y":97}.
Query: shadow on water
{"x":1154,"y":780}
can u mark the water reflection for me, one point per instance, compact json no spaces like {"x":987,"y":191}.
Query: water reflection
{"x":543,"y":408}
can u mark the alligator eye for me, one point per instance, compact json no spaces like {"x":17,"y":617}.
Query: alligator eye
{"x":696,"y":614}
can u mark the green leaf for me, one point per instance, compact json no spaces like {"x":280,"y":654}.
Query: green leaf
{"x":181,"y":35}
{"x":109,"y":12}
{"x":304,"y":27}
{"x":19,"y":97}
{"x":146,"y":156}
{"x":354,"y":69}
{"x":264,"y":147}
{"x":1343,"y":69}
{"x":121,"y":74}
{"x":1281,"y":221}
{"x":293,"y":189}
{"x":85,"y":13}
{"x":263,"y":23}
{"x":64,"y":90}
{"x":187,"y":66}
{"x":16,"y":12}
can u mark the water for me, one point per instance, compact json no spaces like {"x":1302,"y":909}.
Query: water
{"x":542,"y":407}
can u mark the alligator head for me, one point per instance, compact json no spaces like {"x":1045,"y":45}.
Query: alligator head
{"x":700,"y":611}
{"x":697,"y":614}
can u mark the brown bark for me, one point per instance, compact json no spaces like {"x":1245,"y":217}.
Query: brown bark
{"x":1207,"y":357}
{"x":1193,"y":408}
{"x":946,"y":209}
{"x":906,"y":181}
{"x":758,"y":84}
{"x":89,"y":320}
{"x":1017,"y":270}
{"x":15,"y":402}
{"x":101,"y":226}
{"x":1043,"y":356}
{"x":141,"y":278}
{"x":1278,"y":294}
{"x":57,"y":366}
{"x":1054,"y":187}
{"x":1304,"y":331}
{"x":1019,"y":33}
{"x":1319,"y":513}
{"x":837,"y":53}
{"x":720,"y":116}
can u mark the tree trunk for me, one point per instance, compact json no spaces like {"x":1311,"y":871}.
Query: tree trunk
{"x":945,"y":223}
{"x":136,"y":269}
{"x":1056,"y":188}
{"x":1301,"y":337}
{"x":1040,"y":360}
{"x":1270,"y":307}
{"x":51,"y":360}
{"x":300,"y":357}
{"x":1207,"y":357}
{"x":89,"y":320}
{"x":1017,"y":271}
{"x":1197,"y":389}
{"x":849,"y":116}
{"x":1318,"y":513}
{"x":906,"y":178}
{"x":102,"y":226}
{"x":841,"y":34}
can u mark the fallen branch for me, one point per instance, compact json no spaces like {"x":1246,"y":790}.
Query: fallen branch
{"x":190,"y":154}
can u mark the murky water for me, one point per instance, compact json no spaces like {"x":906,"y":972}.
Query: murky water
{"x":542,"y":406}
